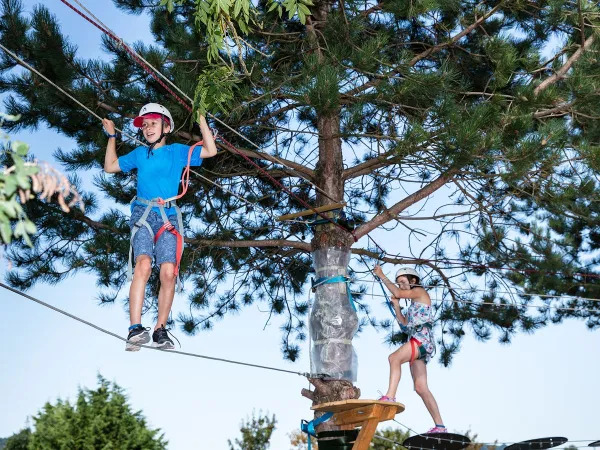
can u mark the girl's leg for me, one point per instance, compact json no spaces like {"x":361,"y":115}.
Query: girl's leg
{"x":137,"y":290}
{"x":418,"y":370}
{"x":166,"y":293}
{"x":396,"y":360}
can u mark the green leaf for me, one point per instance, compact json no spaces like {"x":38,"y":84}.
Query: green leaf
{"x":23,"y":181}
{"x":238,"y":7}
{"x":20,"y":148}
{"x":302,"y":8}
{"x":5,"y":231}
{"x":19,"y":229}
{"x":30,"y":227}
{"x":10,"y":186}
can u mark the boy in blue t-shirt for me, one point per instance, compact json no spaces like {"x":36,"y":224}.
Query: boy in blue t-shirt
{"x":159,"y":169}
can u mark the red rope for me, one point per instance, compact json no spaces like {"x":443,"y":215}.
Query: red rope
{"x":186,"y":106}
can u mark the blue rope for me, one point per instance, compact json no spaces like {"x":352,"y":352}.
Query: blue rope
{"x":309,"y":427}
{"x":336,"y":279}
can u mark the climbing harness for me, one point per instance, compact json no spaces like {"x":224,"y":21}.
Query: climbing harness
{"x":309,"y":427}
{"x":167,"y":226}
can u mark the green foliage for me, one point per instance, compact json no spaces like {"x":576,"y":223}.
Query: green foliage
{"x":256,"y":433}
{"x":15,"y":181}
{"x":215,"y":90}
{"x":392,"y":434}
{"x":18,"y":441}
{"x":100,"y":418}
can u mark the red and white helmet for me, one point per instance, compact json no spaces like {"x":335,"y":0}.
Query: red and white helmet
{"x":153,"y":110}
{"x":404,"y":270}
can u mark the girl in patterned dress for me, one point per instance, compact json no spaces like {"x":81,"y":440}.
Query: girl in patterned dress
{"x":417,"y":323}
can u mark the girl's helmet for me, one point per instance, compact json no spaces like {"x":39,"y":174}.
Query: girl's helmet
{"x":151,"y":109}
{"x":404,"y":270}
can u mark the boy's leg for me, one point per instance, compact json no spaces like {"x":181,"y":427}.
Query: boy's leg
{"x":143,"y":249}
{"x":166,"y":293}
{"x":137,"y":290}
{"x":166,"y":258}
{"x":418,"y":370}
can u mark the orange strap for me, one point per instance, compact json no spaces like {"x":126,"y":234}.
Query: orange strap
{"x":185,"y":177}
{"x":414,"y":345}
{"x":168,"y":226}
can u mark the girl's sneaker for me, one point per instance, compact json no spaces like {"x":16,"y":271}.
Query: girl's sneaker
{"x":137,"y":335}
{"x":385,"y":398}
{"x":437,"y":429}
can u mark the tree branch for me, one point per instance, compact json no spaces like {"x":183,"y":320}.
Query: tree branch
{"x":369,"y":166}
{"x":281,"y":243}
{"x":391,"y":213}
{"x":560,"y":73}
{"x":429,"y":51}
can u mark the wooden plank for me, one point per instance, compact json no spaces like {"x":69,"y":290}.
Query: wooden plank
{"x":363,"y":441}
{"x":309,"y":212}
{"x":345,"y":405}
{"x":358,"y":415}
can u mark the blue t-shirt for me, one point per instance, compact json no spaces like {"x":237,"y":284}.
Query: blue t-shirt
{"x":159,"y":175}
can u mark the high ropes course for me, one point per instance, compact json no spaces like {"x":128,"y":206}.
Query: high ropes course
{"x":359,"y":417}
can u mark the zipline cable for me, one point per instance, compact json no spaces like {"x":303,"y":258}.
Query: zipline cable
{"x":110,"y":333}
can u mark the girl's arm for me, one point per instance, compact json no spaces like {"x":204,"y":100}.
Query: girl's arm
{"x":395,"y":290}
{"x":401,"y":317}
{"x":209,"y":148}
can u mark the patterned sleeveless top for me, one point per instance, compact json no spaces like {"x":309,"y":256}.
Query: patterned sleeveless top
{"x":420,"y":322}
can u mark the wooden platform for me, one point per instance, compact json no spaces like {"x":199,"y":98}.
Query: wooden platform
{"x":345,"y":405}
{"x":367,"y":413}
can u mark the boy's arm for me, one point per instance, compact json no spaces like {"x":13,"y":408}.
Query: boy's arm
{"x":209,"y":148}
{"x":111,"y":160}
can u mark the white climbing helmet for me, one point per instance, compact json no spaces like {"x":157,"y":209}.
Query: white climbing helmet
{"x":404,"y":270}
{"x":153,"y":108}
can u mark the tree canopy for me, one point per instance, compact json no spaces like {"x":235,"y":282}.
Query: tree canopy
{"x":487,"y":110}
{"x":100,"y":418}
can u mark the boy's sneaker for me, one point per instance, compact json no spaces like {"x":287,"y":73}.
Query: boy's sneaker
{"x":137,"y":335}
{"x":437,"y":429}
{"x":161,"y":339}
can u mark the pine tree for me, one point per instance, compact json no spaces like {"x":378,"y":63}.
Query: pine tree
{"x":487,"y":108}
{"x":100,"y":418}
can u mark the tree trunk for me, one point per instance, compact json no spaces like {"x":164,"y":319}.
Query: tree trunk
{"x":333,"y":320}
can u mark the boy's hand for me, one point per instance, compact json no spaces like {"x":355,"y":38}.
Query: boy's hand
{"x":377,"y":270}
{"x":109,"y":126}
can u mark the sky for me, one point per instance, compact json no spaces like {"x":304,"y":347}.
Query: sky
{"x":544,"y":384}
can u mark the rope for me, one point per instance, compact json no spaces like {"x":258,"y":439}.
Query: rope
{"x":189,"y":109}
{"x":32,"y":69}
{"x":110,"y":333}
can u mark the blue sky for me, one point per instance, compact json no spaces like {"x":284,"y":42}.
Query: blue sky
{"x":540,"y":385}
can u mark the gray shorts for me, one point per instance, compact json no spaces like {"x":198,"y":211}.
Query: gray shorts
{"x":165,"y":250}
